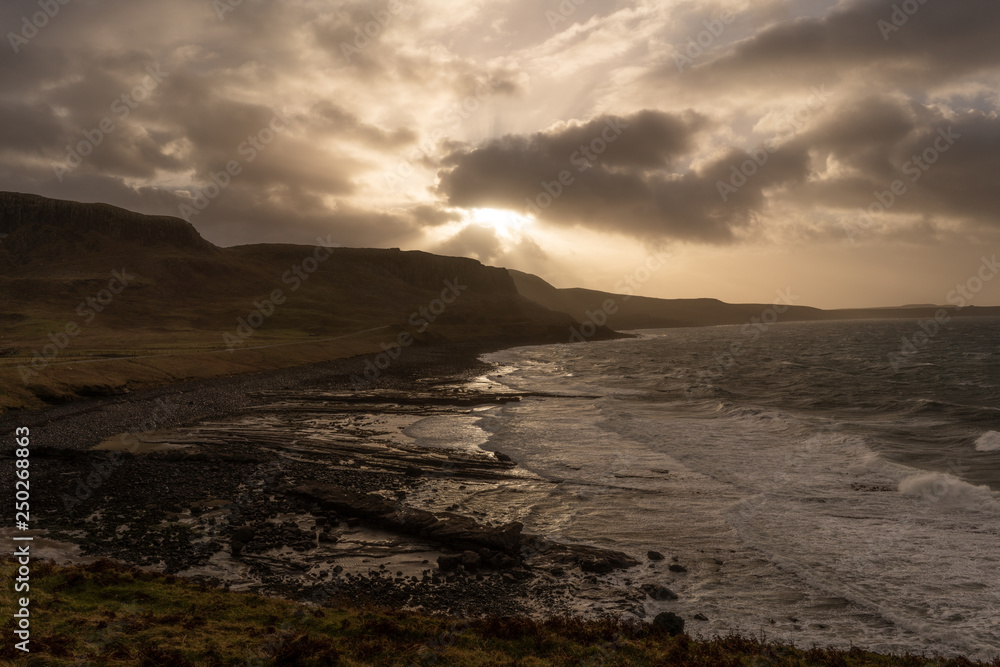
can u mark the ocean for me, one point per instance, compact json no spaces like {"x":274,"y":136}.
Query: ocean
{"x":823,"y":483}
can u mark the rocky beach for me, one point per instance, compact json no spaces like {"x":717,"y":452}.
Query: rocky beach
{"x":301,"y":483}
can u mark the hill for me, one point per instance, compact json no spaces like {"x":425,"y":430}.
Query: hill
{"x":84,"y":284}
{"x":639,"y":312}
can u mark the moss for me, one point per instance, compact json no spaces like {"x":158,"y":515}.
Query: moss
{"x":109,"y":614}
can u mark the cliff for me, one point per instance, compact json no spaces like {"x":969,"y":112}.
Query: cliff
{"x":58,"y":254}
{"x":32,"y":223}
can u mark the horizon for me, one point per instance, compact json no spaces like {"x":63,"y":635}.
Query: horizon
{"x":839,"y":149}
{"x":960,"y":297}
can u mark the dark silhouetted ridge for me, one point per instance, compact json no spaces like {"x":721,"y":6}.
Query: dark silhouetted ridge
{"x":32,"y":221}
{"x":639,"y":312}
{"x":57,"y":254}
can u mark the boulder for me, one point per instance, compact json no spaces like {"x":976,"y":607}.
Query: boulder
{"x":596,"y":565}
{"x":236,"y":548}
{"x":448,"y":563}
{"x":244,"y":534}
{"x":669,"y":622}
{"x":660,"y":593}
{"x":654,"y":555}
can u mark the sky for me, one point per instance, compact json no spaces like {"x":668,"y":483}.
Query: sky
{"x":844,"y":152}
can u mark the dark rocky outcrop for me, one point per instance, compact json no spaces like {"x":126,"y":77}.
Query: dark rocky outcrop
{"x":31,"y":221}
{"x":455,"y":531}
{"x":588,"y":558}
{"x":497,"y":547}
{"x":669,"y":622}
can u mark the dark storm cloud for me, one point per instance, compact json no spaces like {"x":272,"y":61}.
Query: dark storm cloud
{"x":843,"y":161}
{"x":355,"y":117}
{"x":947,"y":164}
{"x":648,"y":138}
{"x":918,"y":42}
{"x":627,"y":188}
{"x":863,"y":132}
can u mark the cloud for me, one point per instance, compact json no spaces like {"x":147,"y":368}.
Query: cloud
{"x":929,"y":43}
{"x":636,"y":185}
{"x":945,"y":162}
{"x":380,"y":150}
{"x":475,"y":241}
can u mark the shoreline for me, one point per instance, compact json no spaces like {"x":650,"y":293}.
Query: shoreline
{"x":218,"y":480}
{"x":224,"y":432}
{"x":82,"y":422}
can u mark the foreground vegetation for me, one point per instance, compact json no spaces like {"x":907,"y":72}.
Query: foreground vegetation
{"x":108,"y":614}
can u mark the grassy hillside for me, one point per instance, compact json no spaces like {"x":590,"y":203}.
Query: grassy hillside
{"x":107,"y":614}
{"x":84,"y":285}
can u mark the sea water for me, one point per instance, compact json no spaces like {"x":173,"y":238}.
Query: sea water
{"x":820,"y":487}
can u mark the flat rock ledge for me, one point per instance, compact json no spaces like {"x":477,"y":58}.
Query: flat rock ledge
{"x":460,"y":533}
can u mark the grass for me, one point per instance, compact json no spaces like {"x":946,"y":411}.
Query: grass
{"x":182,"y":308}
{"x":95,"y":359}
{"x":108,"y":614}
{"x":60,"y":381}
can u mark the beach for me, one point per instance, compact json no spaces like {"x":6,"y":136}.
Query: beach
{"x":232,"y":481}
{"x":607,"y":480}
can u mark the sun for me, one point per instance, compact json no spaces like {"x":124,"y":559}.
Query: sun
{"x":506,"y":224}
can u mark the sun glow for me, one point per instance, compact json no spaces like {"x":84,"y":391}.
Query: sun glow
{"x":506,"y":224}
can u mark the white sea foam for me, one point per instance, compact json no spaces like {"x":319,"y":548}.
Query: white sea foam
{"x":949,"y":491}
{"x":778,"y":508}
{"x":988,"y":442}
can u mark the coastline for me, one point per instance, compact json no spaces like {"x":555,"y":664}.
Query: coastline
{"x":82,"y":422}
{"x":383,"y":565}
{"x":214,"y":480}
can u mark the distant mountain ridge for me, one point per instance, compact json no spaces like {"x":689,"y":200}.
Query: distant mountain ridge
{"x":639,"y":312}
